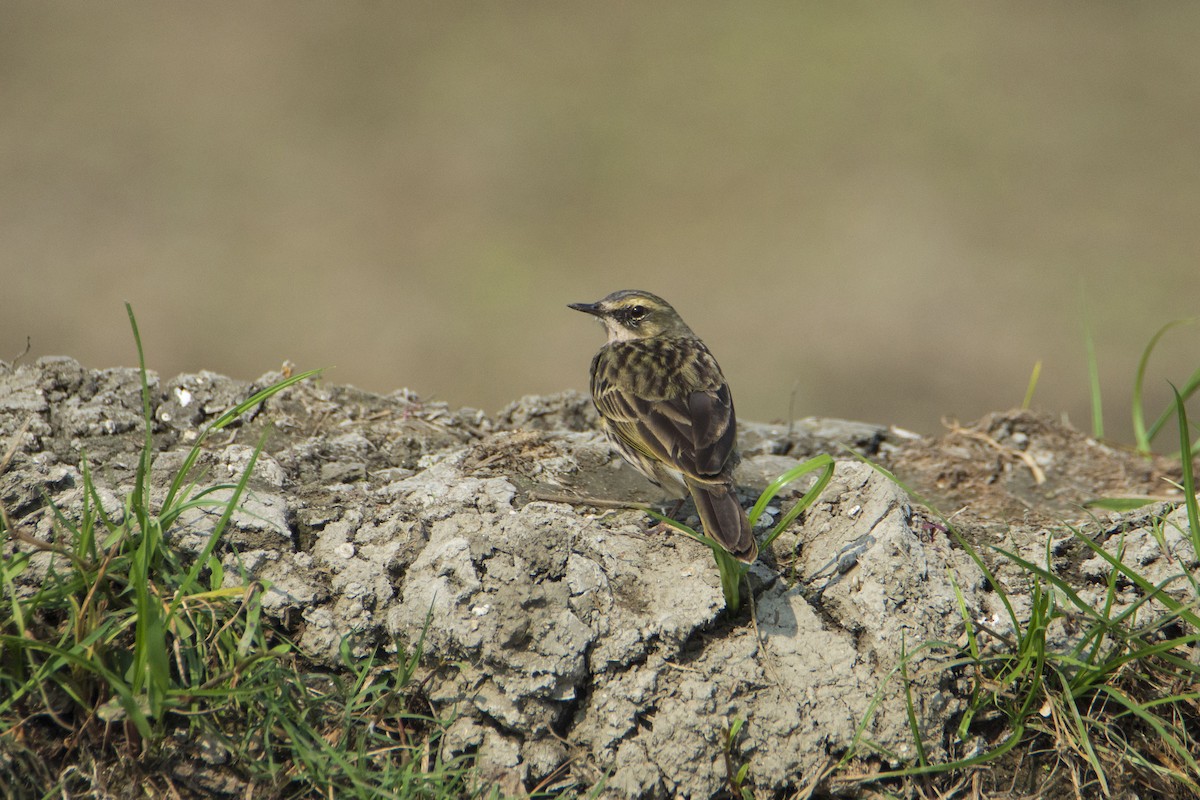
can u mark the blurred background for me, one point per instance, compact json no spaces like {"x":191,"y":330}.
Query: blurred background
{"x":886,"y":212}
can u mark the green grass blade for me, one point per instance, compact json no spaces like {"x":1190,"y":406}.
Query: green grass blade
{"x":150,"y":672}
{"x":79,"y":659}
{"x":965,"y":614}
{"x":1060,"y":584}
{"x":909,"y":707}
{"x":1081,"y":733}
{"x":1094,"y":383}
{"x":10,"y":568}
{"x":225,"y":419}
{"x":84,"y":544}
{"x":141,"y":489}
{"x":202,"y":558}
{"x":730,"y":569}
{"x":777,"y":485}
{"x":1154,"y":721}
{"x":1033,"y":381}
{"x":682,"y":528}
{"x":1119,"y":504}
{"x":824,"y":462}
{"x":1016,"y":737}
{"x":1188,"y":481}
{"x":1141,"y":436}
{"x":1148,"y":589}
{"x":1189,"y":388}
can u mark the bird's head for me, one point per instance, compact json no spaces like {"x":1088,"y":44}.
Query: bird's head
{"x":632,"y":314}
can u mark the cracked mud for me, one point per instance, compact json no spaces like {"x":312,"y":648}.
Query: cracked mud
{"x":563,"y":633}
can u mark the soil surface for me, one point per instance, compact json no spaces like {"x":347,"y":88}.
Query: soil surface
{"x":572,"y":640}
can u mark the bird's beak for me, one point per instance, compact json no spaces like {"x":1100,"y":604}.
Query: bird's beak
{"x":587,"y":308}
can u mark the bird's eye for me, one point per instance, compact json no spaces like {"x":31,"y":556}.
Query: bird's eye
{"x":637,"y":313}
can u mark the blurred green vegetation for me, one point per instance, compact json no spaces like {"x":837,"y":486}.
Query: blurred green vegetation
{"x":891,"y":210}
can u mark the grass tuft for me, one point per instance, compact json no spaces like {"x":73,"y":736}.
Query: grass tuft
{"x":126,"y":654}
{"x":1109,"y":687}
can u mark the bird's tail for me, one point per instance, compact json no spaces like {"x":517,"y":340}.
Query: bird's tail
{"x":724,"y":519}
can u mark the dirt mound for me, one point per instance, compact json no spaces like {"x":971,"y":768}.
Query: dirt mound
{"x":565,"y":631}
{"x":1019,"y":463}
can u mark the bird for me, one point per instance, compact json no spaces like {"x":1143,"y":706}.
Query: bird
{"x":666,"y":406}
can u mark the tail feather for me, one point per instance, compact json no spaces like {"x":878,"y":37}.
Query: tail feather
{"x":724,"y":519}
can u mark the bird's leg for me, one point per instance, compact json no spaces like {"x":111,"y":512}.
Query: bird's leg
{"x":678,"y":505}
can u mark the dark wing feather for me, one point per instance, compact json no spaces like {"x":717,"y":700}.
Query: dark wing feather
{"x":714,"y":429}
{"x":692,"y":431}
